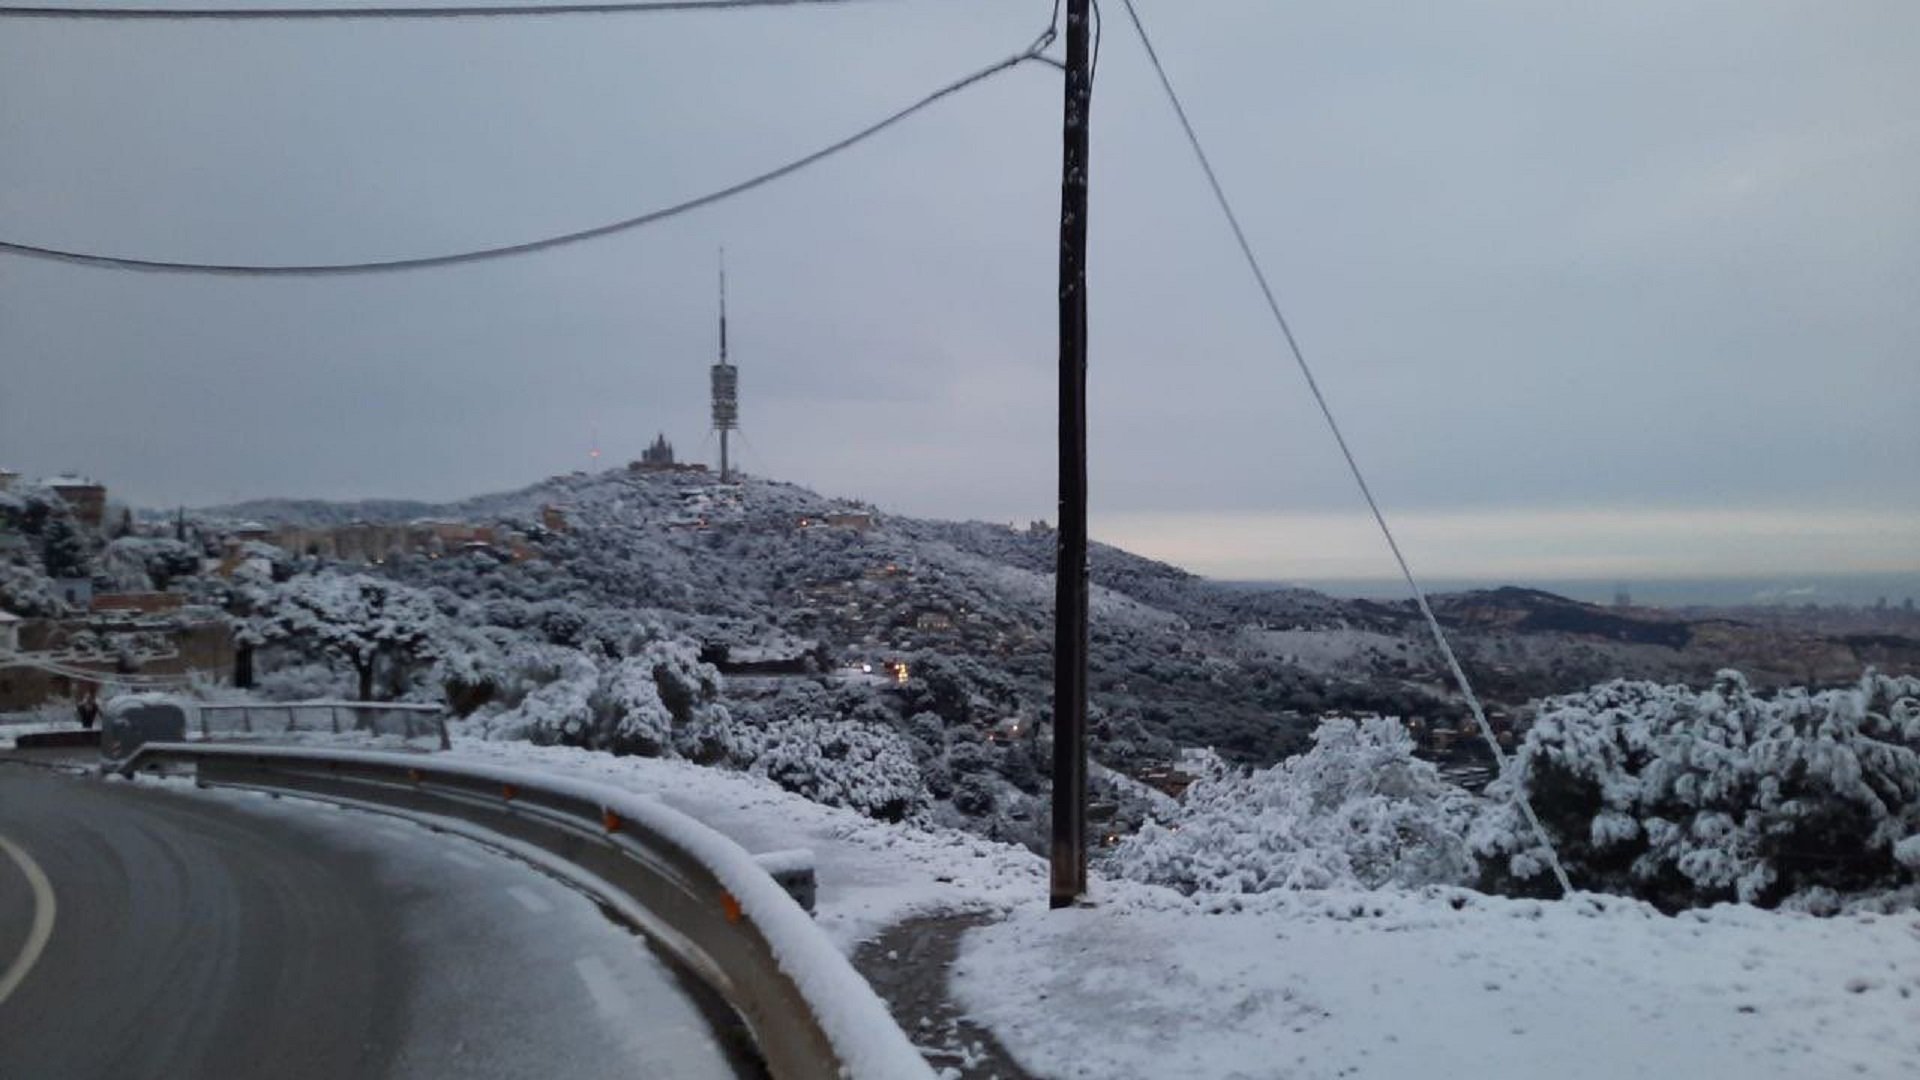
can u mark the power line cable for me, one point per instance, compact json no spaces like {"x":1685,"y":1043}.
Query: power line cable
{"x":121,"y":262}
{"x":1093,"y":62}
{"x":71,"y":668}
{"x":1326,"y":411}
{"x":349,"y":11}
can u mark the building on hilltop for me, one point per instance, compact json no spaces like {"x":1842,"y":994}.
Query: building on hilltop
{"x":7,"y":477}
{"x":659,"y":455}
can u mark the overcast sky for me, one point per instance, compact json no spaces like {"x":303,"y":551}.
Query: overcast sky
{"x":1597,"y":289}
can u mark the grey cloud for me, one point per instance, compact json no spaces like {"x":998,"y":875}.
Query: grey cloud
{"x":1642,"y":255}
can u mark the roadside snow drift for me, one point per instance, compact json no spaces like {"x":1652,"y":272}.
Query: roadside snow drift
{"x":1401,"y":985}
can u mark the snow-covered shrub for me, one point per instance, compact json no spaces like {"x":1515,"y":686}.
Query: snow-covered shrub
{"x":304,"y":682}
{"x":644,"y":698}
{"x":683,"y":683}
{"x":628,"y":712}
{"x":28,"y":592}
{"x":137,"y":563}
{"x":974,"y":795}
{"x":546,"y":695}
{"x":865,"y":766}
{"x":1907,"y":853}
{"x":1687,"y":798}
{"x":1357,"y":810}
{"x":650,"y":702}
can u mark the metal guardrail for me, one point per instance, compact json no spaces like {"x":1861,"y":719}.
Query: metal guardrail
{"x":412,"y":719}
{"x":698,"y":894}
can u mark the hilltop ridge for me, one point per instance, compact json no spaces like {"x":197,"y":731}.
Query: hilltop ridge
{"x":1192,"y":659}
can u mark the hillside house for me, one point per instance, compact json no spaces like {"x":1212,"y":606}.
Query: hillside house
{"x":86,"y":499}
{"x":251,"y":530}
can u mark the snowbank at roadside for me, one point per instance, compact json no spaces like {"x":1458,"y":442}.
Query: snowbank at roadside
{"x":1444,"y":983}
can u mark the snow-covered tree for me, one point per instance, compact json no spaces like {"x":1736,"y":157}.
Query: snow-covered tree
{"x":1687,"y":797}
{"x":851,"y":763}
{"x":658,"y":697}
{"x":358,"y":619}
{"x":63,"y":548}
{"x":643,"y":699}
{"x":1357,"y":810}
{"x":26,"y":591}
{"x":139,"y":563}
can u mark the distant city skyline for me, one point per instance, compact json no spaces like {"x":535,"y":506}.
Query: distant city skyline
{"x":1618,"y":290}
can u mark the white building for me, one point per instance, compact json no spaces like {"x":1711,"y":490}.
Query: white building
{"x":9,"y":632}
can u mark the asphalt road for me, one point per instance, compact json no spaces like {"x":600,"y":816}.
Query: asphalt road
{"x":149,"y":931}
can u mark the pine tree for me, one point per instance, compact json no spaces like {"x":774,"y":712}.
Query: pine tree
{"x":63,"y":550}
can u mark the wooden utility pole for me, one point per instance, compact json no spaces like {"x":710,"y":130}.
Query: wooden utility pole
{"x":1070,"y":585}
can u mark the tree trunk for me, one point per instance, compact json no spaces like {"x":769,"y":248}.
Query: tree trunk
{"x":243,"y":667}
{"x":365,"y":671}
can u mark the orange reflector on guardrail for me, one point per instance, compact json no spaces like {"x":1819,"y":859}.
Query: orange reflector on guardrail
{"x":414,"y":775}
{"x":508,"y":791}
{"x":609,"y":819}
{"x":730,"y":907}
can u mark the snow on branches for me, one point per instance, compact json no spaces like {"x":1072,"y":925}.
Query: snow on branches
{"x":1357,"y":810}
{"x":866,"y":766}
{"x":1687,"y":797}
{"x":356,"y":618}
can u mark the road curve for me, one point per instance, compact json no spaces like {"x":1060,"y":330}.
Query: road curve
{"x":228,"y":935}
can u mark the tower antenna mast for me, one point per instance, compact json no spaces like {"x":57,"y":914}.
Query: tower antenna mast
{"x":726,"y":383}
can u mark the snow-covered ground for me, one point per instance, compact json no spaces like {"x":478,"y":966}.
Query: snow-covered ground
{"x":1443,"y":983}
{"x":1398,"y":985}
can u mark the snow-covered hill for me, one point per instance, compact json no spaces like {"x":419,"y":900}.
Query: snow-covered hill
{"x":1176,"y":658}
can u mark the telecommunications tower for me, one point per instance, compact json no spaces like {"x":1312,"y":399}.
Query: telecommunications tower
{"x":726,"y":383}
